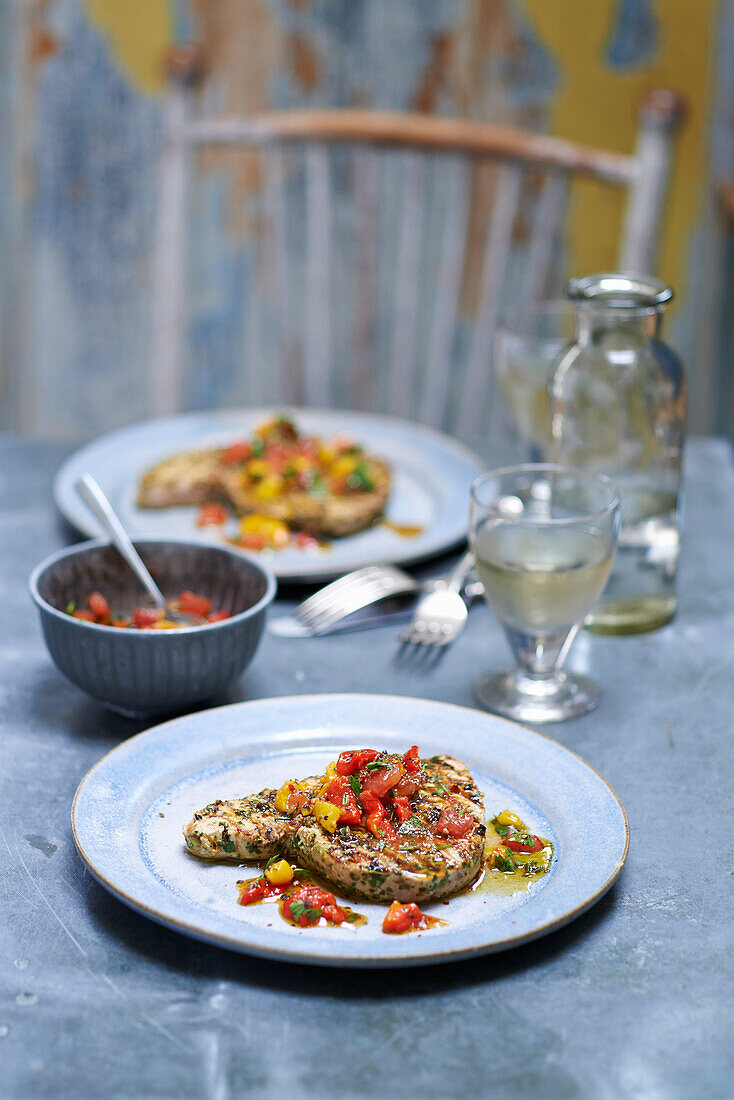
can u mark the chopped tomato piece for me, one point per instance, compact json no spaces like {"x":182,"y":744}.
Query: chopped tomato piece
{"x":524,"y":842}
{"x":340,"y":794}
{"x":218,"y":616}
{"x":407,"y":785}
{"x":254,"y":891}
{"x":145,"y":616}
{"x":354,"y":759}
{"x":98,"y":606}
{"x":455,"y":823}
{"x":237,"y":452}
{"x":411,"y":759}
{"x":305,"y":541}
{"x":334,"y":914}
{"x":401,"y":918}
{"x":193,"y":604}
{"x":212,"y":515}
{"x":377,"y":820}
{"x":84,"y":615}
{"x":252,"y":542}
{"x":308,"y":904}
{"x":121,"y":622}
{"x":402,"y":809}
{"x":380,"y":780}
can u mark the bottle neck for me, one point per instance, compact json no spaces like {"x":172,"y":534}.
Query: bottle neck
{"x":594,"y":321}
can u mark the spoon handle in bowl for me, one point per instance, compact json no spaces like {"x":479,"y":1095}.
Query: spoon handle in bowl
{"x":97,"y":502}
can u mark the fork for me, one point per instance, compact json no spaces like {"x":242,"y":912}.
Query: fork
{"x":440,"y":614}
{"x":351,"y":593}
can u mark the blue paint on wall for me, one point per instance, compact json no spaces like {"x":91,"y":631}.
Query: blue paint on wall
{"x":635,"y":35}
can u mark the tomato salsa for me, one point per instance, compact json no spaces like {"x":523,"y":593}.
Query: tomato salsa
{"x":301,"y":902}
{"x":511,"y":849}
{"x":145,"y":618}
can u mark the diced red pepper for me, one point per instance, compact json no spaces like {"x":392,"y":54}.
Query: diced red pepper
{"x":340,"y":794}
{"x":237,"y":452}
{"x":145,"y":616}
{"x":402,"y":809}
{"x":351,"y":761}
{"x":212,"y":515}
{"x":251,"y":542}
{"x":411,"y":759}
{"x":381,"y":780}
{"x":316,"y":901}
{"x":455,"y":824}
{"x":99,"y":607}
{"x":84,"y":615}
{"x":305,"y":541}
{"x":377,"y":820}
{"x":122,"y":623}
{"x":218,"y":616}
{"x":254,"y":891}
{"x":193,"y":604}
{"x":401,"y":918}
{"x":518,"y":846}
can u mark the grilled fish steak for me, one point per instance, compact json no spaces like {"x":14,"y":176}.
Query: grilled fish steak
{"x":328,"y":516}
{"x":420,"y":865}
{"x":324,"y":489}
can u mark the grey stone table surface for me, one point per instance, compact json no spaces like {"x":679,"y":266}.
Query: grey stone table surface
{"x":634,"y":999}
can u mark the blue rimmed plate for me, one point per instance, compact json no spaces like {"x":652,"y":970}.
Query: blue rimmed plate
{"x":130,"y":808}
{"x":431,"y":477}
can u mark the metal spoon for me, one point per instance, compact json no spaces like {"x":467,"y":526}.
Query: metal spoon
{"x":97,"y":502}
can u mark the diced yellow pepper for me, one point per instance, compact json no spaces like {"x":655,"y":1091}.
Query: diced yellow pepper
{"x":508,"y":818}
{"x":344,"y":466}
{"x":283,"y":797}
{"x":329,"y":774}
{"x":274,"y":532}
{"x":270,"y":486}
{"x":327,"y":454}
{"x":327,"y":815}
{"x":164,"y":624}
{"x":279,"y":873}
{"x":257,"y":468}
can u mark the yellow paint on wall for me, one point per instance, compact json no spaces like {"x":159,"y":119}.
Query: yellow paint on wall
{"x":596,"y":104}
{"x":139,"y":32}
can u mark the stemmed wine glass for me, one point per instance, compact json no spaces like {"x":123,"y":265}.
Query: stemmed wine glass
{"x":544,"y":538}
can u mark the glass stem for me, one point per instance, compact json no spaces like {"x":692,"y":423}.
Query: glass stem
{"x":540,"y":657}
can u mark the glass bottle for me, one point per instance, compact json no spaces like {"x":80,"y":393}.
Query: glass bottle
{"x":617,"y":405}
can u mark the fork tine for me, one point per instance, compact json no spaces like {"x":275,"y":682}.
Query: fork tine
{"x":326,"y":595}
{"x":359,"y":597}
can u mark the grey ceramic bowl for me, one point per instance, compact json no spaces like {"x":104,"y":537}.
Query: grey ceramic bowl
{"x":152,"y":671}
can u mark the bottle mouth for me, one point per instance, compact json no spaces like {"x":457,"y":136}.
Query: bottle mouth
{"x":620,"y":290}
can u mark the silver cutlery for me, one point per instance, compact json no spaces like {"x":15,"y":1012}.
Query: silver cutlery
{"x":94,"y":498}
{"x":351,"y":593}
{"x":441,"y":613}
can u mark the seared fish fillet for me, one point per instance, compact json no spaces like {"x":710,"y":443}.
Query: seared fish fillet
{"x":328,"y":516}
{"x":188,"y":478}
{"x":421,"y":866}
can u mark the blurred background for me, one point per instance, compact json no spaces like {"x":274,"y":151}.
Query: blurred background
{"x":85,"y":99}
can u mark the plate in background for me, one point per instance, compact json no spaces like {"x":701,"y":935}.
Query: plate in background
{"x":130,"y":808}
{"x":432,"y":474}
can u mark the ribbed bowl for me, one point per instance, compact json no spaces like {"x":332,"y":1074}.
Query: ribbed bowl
{"x":152,"y":671}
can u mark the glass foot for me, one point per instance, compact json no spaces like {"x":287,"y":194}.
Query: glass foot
{"x":527,"y":700}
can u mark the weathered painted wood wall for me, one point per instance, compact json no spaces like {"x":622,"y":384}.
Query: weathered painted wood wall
{"x":80,"y":113}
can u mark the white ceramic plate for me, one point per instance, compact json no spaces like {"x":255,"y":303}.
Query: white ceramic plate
{"x":432,"y":474}
{"x":130,"y":808}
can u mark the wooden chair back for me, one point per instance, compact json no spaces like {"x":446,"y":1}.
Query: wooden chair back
{"x":366,"y":241}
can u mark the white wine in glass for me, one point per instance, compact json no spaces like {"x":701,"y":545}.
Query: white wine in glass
{"x":544,"y":539}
